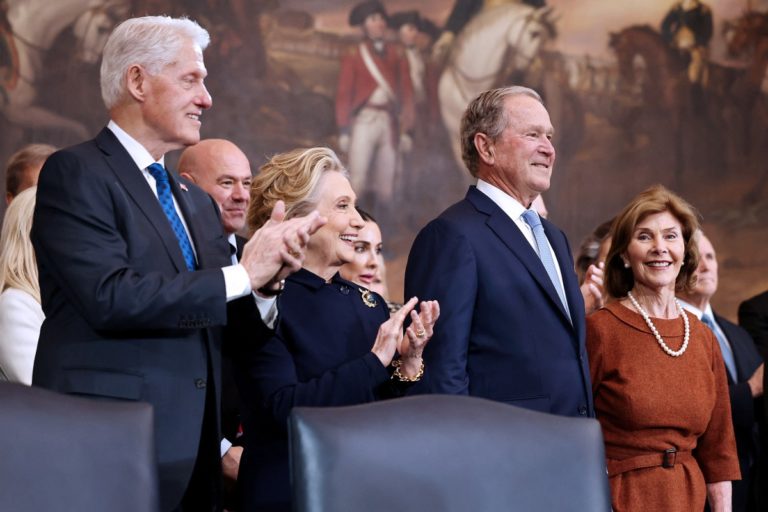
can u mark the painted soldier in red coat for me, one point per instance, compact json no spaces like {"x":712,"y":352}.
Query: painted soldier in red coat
{"x":374,"y":105}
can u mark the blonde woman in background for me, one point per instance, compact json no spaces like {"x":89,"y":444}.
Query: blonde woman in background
{"x":20,"y":313}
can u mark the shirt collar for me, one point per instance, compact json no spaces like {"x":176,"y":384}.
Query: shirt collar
{"x":696,"y":311}
{"x":138,"y":153}
{"x":511,"y":206}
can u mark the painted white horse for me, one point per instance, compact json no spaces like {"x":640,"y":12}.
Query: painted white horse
{"x":496,"y":41}
{"x":35,"y":25}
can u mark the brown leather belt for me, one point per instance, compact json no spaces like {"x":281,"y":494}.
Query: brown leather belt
{"x":666,"y":459}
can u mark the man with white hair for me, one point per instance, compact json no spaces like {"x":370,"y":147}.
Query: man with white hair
{"x":135,"y":270}
{"x":744,"y":369}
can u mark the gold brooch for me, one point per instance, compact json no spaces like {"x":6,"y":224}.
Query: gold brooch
{"x":368,"y":298}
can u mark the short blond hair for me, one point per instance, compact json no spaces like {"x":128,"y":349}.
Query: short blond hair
{"x":291,"y":177}
{"x":18,"y":266}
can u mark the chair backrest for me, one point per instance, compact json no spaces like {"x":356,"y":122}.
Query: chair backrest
{"x":445,"y":453}
{"x":60,"y":452}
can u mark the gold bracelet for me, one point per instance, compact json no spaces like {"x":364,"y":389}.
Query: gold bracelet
{"x":402,"y":378}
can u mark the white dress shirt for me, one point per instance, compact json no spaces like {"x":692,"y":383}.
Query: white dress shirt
{"x":514,"y":211}
{"x":236,"y":279}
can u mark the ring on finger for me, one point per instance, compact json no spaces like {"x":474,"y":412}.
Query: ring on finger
{"x":421,"y":333}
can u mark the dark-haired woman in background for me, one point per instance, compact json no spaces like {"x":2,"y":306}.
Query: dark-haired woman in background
{"x":367,"y":268}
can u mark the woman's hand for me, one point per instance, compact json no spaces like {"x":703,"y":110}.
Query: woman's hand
{"x":719,"y":496}
{"x":592,"y":288}
{"x":390,"y":335}
{"x":417,"y":335}
{"x":421,"y":329}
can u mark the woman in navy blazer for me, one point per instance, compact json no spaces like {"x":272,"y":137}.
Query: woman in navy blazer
{"x":335,"y":343}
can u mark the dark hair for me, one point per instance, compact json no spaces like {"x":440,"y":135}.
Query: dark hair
{"x":657,"y":199}
{"x":590,"y":248}
{"x":26,"y":157}
{"x":367,"y":217}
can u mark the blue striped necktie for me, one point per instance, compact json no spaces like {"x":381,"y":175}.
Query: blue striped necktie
{"x":165,"y":197}
{"x":532,"y":219}
{"x":725,"y":347}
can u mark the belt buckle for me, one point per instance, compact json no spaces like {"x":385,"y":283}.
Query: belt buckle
{"x":669,"y":458}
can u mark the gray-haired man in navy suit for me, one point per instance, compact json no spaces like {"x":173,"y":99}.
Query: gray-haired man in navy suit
{"x":744,"y":367}
{"x":512,"y":323}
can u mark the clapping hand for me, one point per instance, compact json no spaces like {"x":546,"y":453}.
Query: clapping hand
{"x":276,"y":250}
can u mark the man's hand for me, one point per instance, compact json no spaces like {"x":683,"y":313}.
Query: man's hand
{"x":230,"y":462}
{"x":276,"y":250}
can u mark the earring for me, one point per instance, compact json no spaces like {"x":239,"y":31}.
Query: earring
{"x":626,"y":264}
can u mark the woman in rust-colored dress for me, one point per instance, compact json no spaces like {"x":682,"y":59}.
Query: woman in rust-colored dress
{"x":659,"y":383}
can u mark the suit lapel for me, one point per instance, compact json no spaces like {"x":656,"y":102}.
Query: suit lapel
{"x":570,"y":285}
{"x":135,"y":185}
{"x":746,"y":360}
{"x":505,"y":228}
{"x":240,"y":241}
{"x":191,"y":217}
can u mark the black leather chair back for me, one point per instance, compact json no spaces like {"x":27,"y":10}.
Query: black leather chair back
{"x":445,"y":453}
{"x":64,"y":453}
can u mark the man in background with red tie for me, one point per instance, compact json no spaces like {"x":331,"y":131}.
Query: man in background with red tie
{"x":135,"y":270}
{"x":744,"y":368}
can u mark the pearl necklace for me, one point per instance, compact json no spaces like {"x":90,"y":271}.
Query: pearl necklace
{"x":647,"y":318}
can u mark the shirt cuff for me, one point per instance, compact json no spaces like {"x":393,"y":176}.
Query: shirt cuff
{"x":236,"y":281}
{"x":225,"y":446}
{"x":267,"y":309}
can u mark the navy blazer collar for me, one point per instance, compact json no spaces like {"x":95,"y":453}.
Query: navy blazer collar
{"x":508,"y":232}
{"x":313,"y":281}
{"x":129,"y":175}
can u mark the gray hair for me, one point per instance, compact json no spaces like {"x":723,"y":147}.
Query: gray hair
{"x":486,"y":114}
{"x":152,"y":42}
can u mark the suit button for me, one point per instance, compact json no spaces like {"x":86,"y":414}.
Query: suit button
{"x":583,"y":410}
{"x":200,"y":383}
{"x":344,"y":289}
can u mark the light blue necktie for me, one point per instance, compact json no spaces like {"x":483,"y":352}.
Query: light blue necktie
{"x":725,"y":347}
{"x":532,"y":219}
{"x":165,"y":197}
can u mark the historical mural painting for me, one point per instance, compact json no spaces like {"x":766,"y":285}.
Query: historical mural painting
{"x":639,"y":93}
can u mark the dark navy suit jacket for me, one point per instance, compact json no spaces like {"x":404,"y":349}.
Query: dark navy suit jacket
{"x":503,"y":333}
{"x":124,"y":317}
{"x":745,"y":410}
{"x":753,"y":316}
{"x":320,"y":356}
